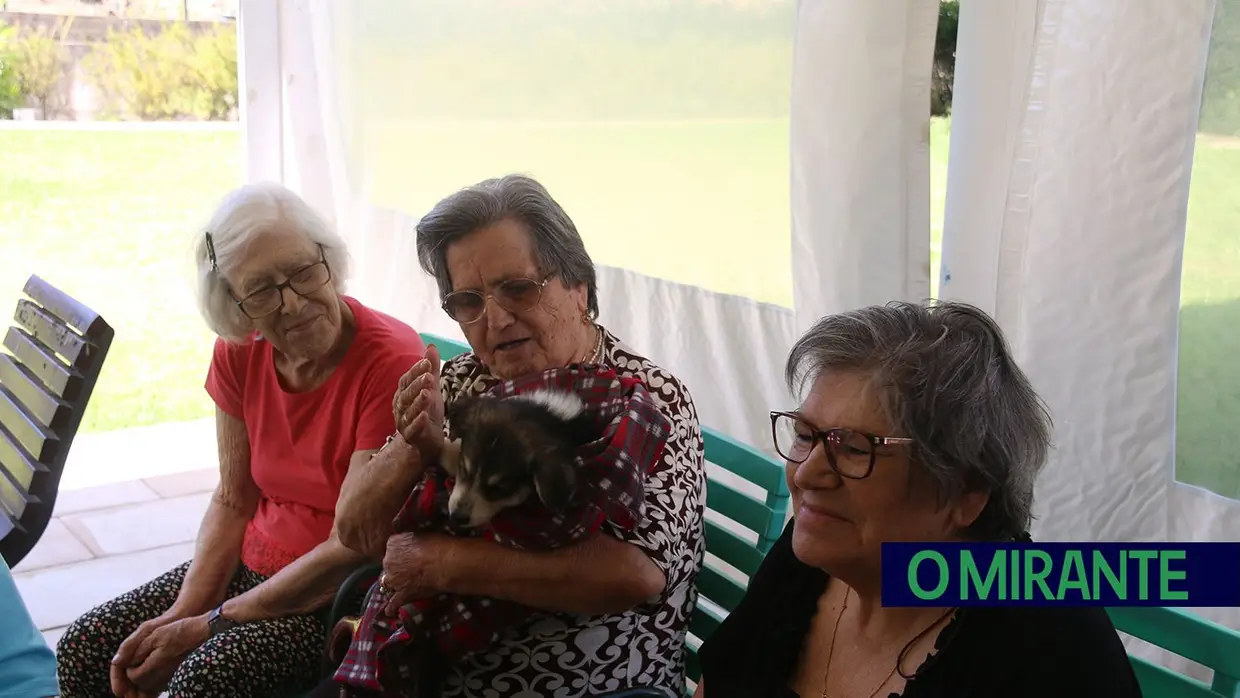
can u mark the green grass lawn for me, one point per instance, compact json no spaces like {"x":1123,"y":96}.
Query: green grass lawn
{"x":1207,"y":439}
{"x":109,"y":217}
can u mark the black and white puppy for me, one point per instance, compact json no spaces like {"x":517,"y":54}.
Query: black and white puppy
{"x":508,"y":449}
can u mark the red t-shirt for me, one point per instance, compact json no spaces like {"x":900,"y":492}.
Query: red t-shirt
{"x":301,"y":443}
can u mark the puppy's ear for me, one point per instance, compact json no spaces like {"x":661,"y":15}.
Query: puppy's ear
{"x":555,"y":479}
{"x":450,"y":459}
{"x":582,"y":429}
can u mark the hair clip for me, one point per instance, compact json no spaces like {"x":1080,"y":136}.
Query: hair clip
{"x":215,"y":266}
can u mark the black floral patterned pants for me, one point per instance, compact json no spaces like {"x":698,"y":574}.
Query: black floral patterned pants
{"x":268,"y":659}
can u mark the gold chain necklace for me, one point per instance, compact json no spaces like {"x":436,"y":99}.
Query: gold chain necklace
{"x":596,"y":354}
{"x":835,"y":632}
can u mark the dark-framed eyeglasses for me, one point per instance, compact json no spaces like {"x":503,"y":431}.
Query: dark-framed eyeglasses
{"x":850,"y":453}
{"x":303,"y":282}
{"x":513,"y":295}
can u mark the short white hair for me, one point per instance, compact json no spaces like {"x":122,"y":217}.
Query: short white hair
{"x":244,"y":214}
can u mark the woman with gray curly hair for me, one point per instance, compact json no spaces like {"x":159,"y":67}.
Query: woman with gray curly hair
{"x":917,"y":426}
{"x":302,"y":378}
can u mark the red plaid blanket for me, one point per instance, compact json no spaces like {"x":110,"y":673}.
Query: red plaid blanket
{"x":387,"y":654}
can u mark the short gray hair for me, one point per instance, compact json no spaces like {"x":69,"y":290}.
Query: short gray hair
{"x":945,"y":378}
{"x":244,"y":214}
{"x":558,"y":248}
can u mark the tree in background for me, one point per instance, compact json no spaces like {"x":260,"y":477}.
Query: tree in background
{"x":1220,"y":106}
{"x":944,"y":70}
{"x":214,"y":67}
{"x":38,"y":60}
{"x":173,"y":74}
{"x":10,"y":90}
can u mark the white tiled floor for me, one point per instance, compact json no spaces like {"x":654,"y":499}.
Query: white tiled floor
{"x":126,"y":455}
{"x":136,"y":527}
{"x":128,"y":510}
{"x":57,"y":595}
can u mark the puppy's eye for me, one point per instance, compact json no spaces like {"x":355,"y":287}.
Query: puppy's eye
{"x":499,"y":486}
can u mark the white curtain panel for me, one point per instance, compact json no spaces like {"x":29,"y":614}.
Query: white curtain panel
{"x":994,"y":58}
{"x":861,"y":154}
{"x":1073,"y":132}
{"x":260,"y":99}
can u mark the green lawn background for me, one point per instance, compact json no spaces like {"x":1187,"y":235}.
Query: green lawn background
{"x":109,"y":217}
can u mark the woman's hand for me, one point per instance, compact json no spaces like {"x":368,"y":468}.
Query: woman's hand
{"x":418,"y":406}
{"x":125,"y":655}
{"x":413,"y":568}
{"x":149,"y":657}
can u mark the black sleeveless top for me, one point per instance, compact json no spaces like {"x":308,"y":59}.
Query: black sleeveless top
{"x":982,"y":653}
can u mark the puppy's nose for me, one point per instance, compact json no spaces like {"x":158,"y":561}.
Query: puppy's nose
{"x":460,"y":517}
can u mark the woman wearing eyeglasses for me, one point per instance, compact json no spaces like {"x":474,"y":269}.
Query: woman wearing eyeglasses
{"x":302,"y":377}
{"x":514,"y":273}
{"x":915,"y":425}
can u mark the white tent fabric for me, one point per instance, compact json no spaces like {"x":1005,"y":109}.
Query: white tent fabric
{"x":861,"y":154}
{"x":1074,"y":124}
{"x":1066,"y":207}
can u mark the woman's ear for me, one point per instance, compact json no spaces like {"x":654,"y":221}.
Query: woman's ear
{"x":968,"y":508}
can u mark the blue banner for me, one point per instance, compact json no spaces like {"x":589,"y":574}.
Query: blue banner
{"x":1061,"y":574}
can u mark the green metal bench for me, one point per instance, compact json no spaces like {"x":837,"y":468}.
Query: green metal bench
{"x":1189,"y":636}
{"x":733,"y":553}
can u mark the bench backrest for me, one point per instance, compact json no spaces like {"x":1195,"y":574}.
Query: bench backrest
{"x":1189,"y":636}
{"x":53,"y":356}
{"x":746,"y":510}
{"x":747,"y":506}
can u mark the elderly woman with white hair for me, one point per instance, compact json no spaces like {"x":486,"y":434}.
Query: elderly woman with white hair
{"x":303,"y":378}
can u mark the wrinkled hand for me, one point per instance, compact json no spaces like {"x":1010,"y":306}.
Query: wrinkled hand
{"x":146,"y":661}
{"x":413,"y":568}
{"x":127,"y":657}
{"x":418,"y":406}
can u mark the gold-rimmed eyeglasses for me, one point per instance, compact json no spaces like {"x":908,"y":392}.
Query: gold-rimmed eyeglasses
{"x":513,"y":295}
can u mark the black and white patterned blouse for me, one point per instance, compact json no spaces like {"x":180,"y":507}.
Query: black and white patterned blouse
{"x":559,"y":655}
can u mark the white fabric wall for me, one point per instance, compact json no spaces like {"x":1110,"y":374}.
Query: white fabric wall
{"x":861,"y":154}
{"x":261,"y":110}
{"x":1074,"y":126}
